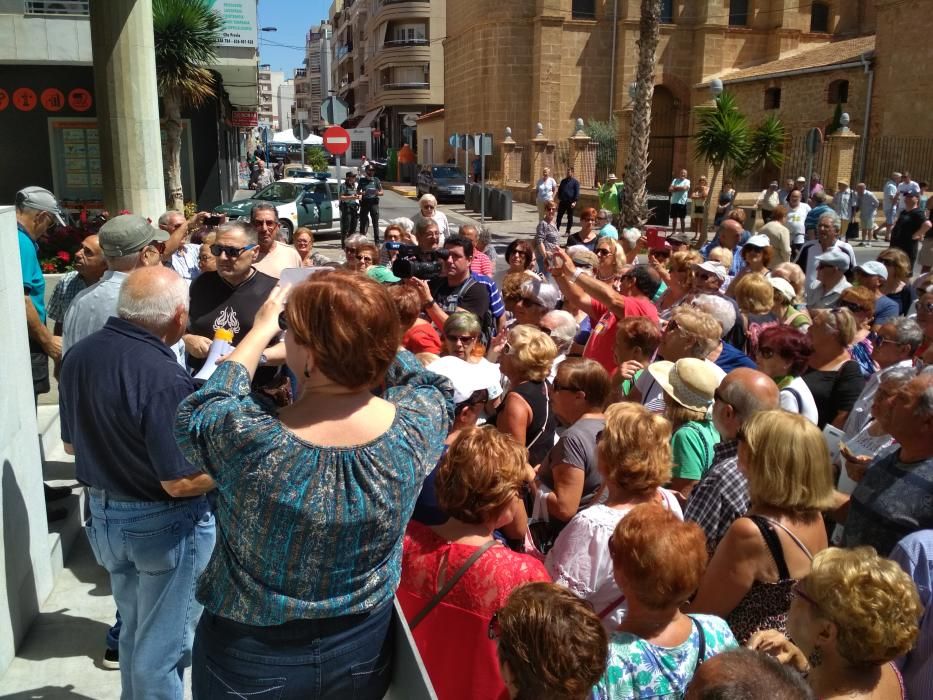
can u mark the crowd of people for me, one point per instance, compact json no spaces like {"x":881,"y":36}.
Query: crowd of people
{"x":632,"y":469}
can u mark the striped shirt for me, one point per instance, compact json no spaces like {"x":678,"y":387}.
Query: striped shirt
{"x":309,"y":532}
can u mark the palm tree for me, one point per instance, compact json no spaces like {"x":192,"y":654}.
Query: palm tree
{"x":634,"y":204}
{"x":766,"y":145}
{"x":722,"y":138}
{"x":186,"y":36}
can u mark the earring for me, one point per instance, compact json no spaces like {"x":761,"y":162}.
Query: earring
{"x":307,"y":372}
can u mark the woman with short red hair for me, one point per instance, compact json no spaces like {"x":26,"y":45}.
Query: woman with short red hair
{"x":313,"y":498}
{"x":658,"y":560}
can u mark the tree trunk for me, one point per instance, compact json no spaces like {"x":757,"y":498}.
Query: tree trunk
{"x":172,"y":154}
{"x":634,"y":205}
{"x":704,"y":233}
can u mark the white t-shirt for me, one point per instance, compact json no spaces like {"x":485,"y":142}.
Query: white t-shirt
{"x":680,"y":196}
{"x":546,"y":189}
{"x":796,"y":397}
{"x":887,"y":195}
{"x":795,"y":223}
{"x":580,"y":559}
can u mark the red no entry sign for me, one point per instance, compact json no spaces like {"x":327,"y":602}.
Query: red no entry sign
{"x":336,"y":140}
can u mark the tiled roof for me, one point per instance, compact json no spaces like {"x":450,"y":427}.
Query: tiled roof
{"x":824,"y":56}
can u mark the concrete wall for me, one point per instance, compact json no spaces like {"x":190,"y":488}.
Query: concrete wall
{"x":43,"y":40}
{"x":26,"y":575}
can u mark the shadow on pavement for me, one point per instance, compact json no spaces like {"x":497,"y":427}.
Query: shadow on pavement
{"x":48,"y":692}
{"x":57,"y":635}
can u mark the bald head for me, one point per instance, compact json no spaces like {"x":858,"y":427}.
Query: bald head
{"x":469,"y":231}
{"x":730,"y":231}
{"x":743,"y":674}
{"x":743,"y":393}
{"x":155,"y":298}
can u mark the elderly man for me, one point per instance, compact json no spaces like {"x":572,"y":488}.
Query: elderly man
{"x":127,"y":242}
{"x":911,"y":225}
{"x":820,"y":204}
{"x":892,"y":500}
{"x":604,"y":225}
{"x":827,"y":237}
{"x":151,"y":526}
{"x":721,"y":496}
{"x":481,"y":264}
{"x":896,"y":344}
{"x":605,"y":306}
{"x":728,"y":236}
{"x":872,"y":275}
{"x":272,"y":255}
{"x":830,"y":282}
{"x":866,"y":204}
{"x":230,"y":297}
{"x":180,"y":253}
{"x":263,"y":176}
{"x":537,"y":299}
{"x":90,"y":266}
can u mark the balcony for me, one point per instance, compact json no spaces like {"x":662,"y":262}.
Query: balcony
{"x":59,"y":8}
{"x":406,"y":86}
{"x":392,"y":43}
{"x":402,"y":9}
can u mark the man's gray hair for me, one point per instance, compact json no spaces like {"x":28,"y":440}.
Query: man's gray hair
{"x":355,"y":240}
{"x":151,"y":296}
{"x":746,"y":404}
{"x":833,"y":219}
{"x":484,"y":236}
{"x":606,"y":213}
{"x":239,"y":226}
{"x":263,"y":206}
{"x":925,"y":404}
{"x":718,"y":308}
{"x":565,"y":329}
{"x":630,"y":237}
{"x":167,"y":216}
{"x":906,"y":332}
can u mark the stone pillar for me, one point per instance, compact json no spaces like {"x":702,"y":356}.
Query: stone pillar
{"x":26,"y":578}
{"x":542,"y":154}
{"x":582,"y":157}
{"x":127,"y":106}
{"x":840,"y":158}
{"x":511,"y":154}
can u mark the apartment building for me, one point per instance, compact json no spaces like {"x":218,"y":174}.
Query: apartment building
{"x":389,"y":64}
{"x":268,"y":86}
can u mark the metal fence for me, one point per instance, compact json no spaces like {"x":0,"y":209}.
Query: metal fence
{"x":886,"y":154}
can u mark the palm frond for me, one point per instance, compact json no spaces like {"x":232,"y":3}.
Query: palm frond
{"x":766,"y":146}
{"x":722,"y":136}
{"x":186,"y":35}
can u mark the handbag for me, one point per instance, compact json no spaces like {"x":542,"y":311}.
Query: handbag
{"x":449,"y":584}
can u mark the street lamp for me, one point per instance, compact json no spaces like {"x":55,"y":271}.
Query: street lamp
{"x":268,"y":29}
{"x":715,"y":87}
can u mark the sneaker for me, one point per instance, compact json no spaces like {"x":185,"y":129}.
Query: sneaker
{"x":111,"y":659}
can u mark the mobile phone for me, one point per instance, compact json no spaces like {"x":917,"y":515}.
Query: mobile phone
{"x":655,"y":240}
{"x":213,"y":220}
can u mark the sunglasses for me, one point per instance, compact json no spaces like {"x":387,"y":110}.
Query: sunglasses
{"x":854,"y":308}
{"x":767,"y":353}
{"x":564,"y":387}
{"x":506,"y":349}
{"x":602,"y":252}
{"x":717,"y":396}
{"x":229,"y":250}
{"x":364,"y":258}
{"x":530,"y":302}
{"x":880,"y":340}
{"x":798,"y":592}
{"x":602,"y":218}
{"x":704,"y":275}
{"x":463,"y":339}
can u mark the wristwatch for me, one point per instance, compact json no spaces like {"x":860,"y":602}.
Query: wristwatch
{"x":427,"y":305}
{"x":575,"y":275}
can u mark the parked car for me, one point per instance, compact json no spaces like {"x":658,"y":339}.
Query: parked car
{"x":299,"y":201}
{"x":443,"y":181}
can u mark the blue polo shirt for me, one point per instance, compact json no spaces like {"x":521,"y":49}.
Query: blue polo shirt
{"x":119,"y":392}
{"x":33,"y":281}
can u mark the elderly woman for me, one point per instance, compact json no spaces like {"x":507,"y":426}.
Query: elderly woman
{"x":550,"y":644}
{"x":338,"y":470}
{"x":634,"y":455}
{"x":351,"y":248}
{"x":417,"y":334}
{"x":755,"y":297}
{"x":861,"y":302}
{"x":461,"y":335}
{"x":367,"y":256}
{"x":547,"y":236}
{"x":783,"y":354}
{"x":520,"y":256}
{"x":525,"y":413}
{"x":304,"y":244}
{"x":785,"y":309}
{"x":851,"y":617}
{"x":637,"y":340}
{"x":792,"y":273}
{"x":834,"y":378}
{"x":476,"y":485}
{"x":658,"y":561}
{"x":388,"y":252}
{"x":680,"y":282}
{"x":689,"y":386}
{"x":897,"y":286}
{"x":751,"y":577}
{"x":537,"y":298}
{"x":611,"y":261}
{"x":206,"y":260}
{"x":569,"y":476}
{"x":587,"y":235}
{"x":778,"y":235}
{"x":427,"y":209}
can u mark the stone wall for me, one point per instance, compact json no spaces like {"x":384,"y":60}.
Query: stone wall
{"x":26,"y":575}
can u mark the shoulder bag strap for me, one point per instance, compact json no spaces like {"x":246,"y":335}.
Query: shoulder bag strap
{"x":547,"y":415}
{"x":791,"y":535}
{"x":797,"y":397}
{"x":701,"y":650}
{"x":449,"y":584}
{"x":612,"y":607}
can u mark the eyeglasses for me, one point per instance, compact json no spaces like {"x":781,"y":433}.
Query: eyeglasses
{"x":565,"y":387}
{"x":506,"y":349}
{"x":229,"y":250}
{"x":364,"y":258}
{"x":798,"y":591}
{"x":463,"y":339}
{"x":158,"y":245}
{"x":766,"y":353}
{"x":602,"y":252}
{"x":717,"y":396}
{"x":204,"y":258}
{"x":854,"y":307}
{"x":588,"y":221}
{"x":530,"y":302}
{"x":266,"y":224}
{"x":704,"y":275}
{"x":602,"y":218}
{"x":881,"y":340}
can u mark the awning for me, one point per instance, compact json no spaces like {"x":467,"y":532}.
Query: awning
{"x":288,"y":137}
{"x":369,"y":118}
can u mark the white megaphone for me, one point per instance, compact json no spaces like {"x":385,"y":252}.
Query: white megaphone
{"x":220,"y":347}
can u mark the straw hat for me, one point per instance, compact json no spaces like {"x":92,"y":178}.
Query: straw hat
{"x":690,"y":382}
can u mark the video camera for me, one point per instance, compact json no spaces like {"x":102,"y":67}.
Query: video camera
{"x":411,"y":261}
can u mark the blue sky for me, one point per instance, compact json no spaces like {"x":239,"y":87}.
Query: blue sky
{"x":293,"y":19}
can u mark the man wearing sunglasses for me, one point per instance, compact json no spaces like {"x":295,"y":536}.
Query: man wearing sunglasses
{"x":127,"y":242}
{"x":230,"y":297}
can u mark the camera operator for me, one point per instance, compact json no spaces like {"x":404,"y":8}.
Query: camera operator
{"x":453,"y":289}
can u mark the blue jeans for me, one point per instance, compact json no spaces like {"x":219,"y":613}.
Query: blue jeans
{"x":154,"y":553}
{"x":344,"y":657}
